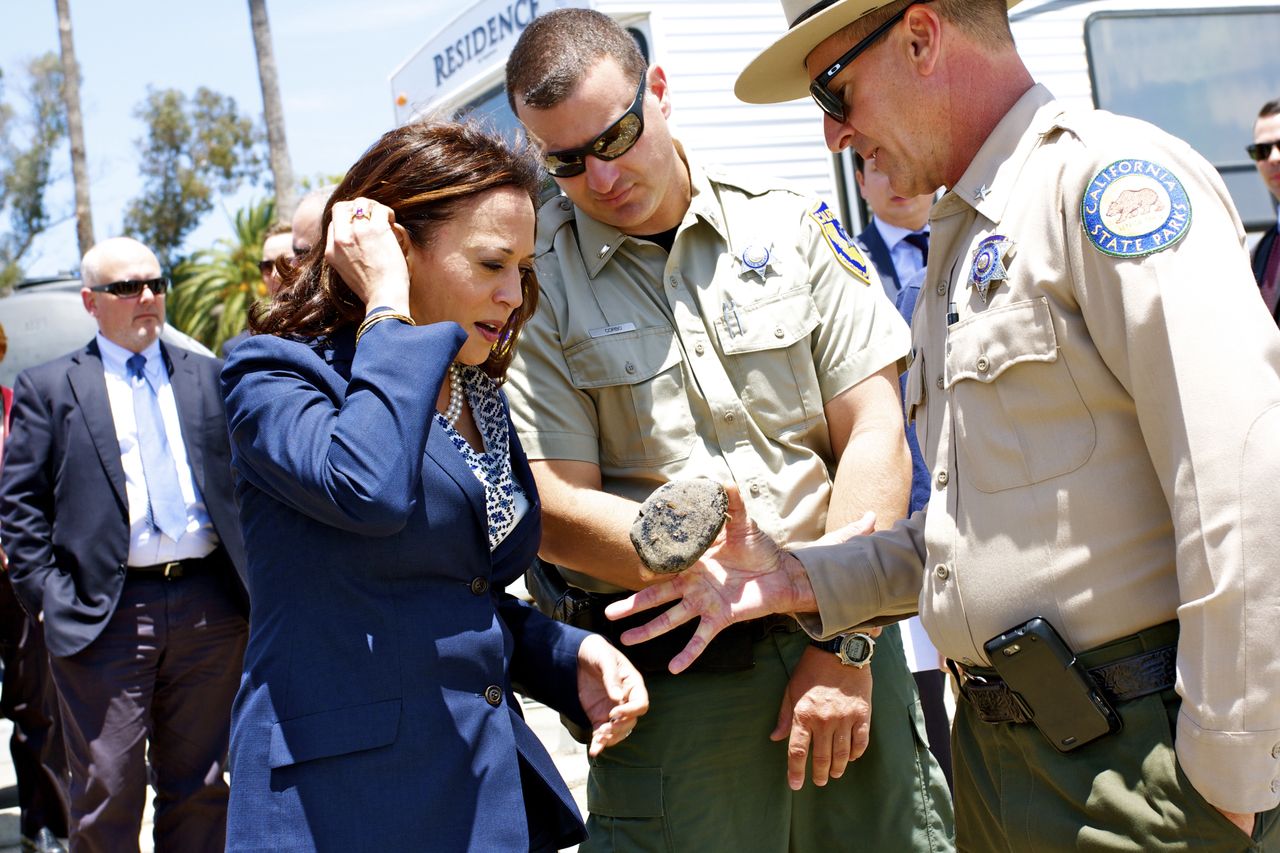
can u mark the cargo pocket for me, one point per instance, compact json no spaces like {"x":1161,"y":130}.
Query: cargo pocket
{"x":626,"y":811}
{"x":1019,"y":417}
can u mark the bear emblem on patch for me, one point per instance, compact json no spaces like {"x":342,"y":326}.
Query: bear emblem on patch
{"x":1134,"y":208}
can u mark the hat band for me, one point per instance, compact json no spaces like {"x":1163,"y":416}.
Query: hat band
{"x":811,"y":11}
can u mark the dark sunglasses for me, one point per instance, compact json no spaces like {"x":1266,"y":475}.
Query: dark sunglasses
{"x":267,"y":265}
{"x":130,"y":289}
{"x":1261,"y":150}
{"x":831,"y":103}
{"x":616,"y":140}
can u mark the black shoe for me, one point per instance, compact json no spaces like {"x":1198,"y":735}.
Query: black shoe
{"x":44,"y":842}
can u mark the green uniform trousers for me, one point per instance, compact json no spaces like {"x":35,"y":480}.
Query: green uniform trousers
{"x":699,"y":772}
{"x":1015,"y":793}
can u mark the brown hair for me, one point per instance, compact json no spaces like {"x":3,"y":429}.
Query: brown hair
{"x":557,"y":50}
{"x":425,"y":172}
{"x":1270,"y":108}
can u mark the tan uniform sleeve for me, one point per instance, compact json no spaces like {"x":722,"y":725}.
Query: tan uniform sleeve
{"x":554,"y":419}
{"x":1184,"y":331}
{"x":861,"y":331}
{"x":870,"y":580}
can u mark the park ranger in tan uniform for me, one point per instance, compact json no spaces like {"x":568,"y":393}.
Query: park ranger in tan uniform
{"x":697,"y":323}
{"x":1097,"y":392}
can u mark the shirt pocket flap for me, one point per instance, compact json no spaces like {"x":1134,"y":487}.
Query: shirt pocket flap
{"x":984,"y":346}
{"x":622,"y":359}
{"x":335,"y":732}
{"x":768,"y":324}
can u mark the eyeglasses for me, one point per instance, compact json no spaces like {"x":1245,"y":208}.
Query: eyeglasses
{"x":268,"y":265}
{"x":617,"y":139}
{"x":1261,"y":150}
{"x":831,"y":103}
{"x":130,"y":289}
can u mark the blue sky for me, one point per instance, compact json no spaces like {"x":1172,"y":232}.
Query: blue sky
{"x":333,"y":57}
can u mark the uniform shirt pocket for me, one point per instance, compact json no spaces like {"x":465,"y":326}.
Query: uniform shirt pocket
{"x":636,"y":380}
{"x":769,"y":360}
{"x":1019,"y":417}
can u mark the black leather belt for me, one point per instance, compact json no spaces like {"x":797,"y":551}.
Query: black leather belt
{"x":1121,"y":680}
{"x":171,"y":570}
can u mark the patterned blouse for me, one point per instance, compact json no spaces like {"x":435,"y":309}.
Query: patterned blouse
{"x":504,"y":498}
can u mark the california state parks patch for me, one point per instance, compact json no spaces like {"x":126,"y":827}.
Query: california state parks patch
{"x":838,"y":241}
{"x":1134,"y":208}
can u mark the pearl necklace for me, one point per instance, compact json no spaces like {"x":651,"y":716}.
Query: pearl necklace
{"x":454,"y":411}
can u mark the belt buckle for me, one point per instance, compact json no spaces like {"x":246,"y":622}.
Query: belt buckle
{"x":172,"y":569}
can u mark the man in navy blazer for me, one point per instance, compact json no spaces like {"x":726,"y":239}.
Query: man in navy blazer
{"x":1265,"y":152}
{"x":897,"y":237}
{"x":122,"y":533}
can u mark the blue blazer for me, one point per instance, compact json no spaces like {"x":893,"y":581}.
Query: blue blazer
{"x":62,"y":497}
{"x":874,"y":245}
{"x":376,"y":709}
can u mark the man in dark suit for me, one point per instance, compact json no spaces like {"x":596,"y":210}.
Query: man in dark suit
{"x":897,"y":237}
{"x":122,"y":534}
{"x":1265,"y":152}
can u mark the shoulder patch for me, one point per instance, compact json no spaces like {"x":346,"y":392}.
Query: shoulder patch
{"x":1135,"y":208}
{"x":847,"y":253}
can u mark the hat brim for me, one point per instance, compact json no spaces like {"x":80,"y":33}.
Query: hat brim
{"x":779,"y":74}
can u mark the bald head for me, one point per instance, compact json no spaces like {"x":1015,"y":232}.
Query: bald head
{"x":306,"y":219}
{"x":133,"y":322}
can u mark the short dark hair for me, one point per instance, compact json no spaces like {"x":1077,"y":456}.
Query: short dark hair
{"x":1269,"y":109}
{"x":557,"y":50}
{"x":424,"y":171}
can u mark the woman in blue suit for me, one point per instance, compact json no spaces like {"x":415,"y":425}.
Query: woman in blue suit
{"x":386,"y":503}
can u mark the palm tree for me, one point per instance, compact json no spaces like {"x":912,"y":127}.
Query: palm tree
{"x":215,"y":287}
{"x":75,"y":127}
{"x":273,"y":111}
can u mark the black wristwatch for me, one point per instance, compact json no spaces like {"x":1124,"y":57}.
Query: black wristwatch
{"x":853,"y":649}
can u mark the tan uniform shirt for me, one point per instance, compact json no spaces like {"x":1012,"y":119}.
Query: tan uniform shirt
{"x":697,"y":364}
{"x":1101,"y":430}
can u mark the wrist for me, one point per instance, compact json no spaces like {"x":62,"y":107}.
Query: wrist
{"x":799,"y":588}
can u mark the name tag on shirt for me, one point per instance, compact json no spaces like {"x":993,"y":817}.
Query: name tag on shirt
{"x":605,"y":331}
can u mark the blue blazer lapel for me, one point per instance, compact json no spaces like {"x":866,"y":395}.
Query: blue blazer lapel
{"x":441,"y":451}
{"x":880,"y":255}
{"x":189,"y":395}
{"x":89,"y":387}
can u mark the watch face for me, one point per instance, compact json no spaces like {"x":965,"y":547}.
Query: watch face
{"x":857,"y":649}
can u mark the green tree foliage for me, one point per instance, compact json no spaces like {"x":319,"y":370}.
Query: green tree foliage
{"x":214,"y":288}
{"x":28,"y":140}
{"x":195,"y":149}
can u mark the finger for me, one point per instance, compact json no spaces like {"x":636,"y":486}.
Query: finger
{"x":660,"y":624}
{"x":859,"y":739}
{"x":797,"y":753}
{"x":821,"y":747}
{"x":783,"y":727}
{"x":697,"y":645}
{"x":860,"y":527}
{"x":840,"y":755}
{"x":635,"y":700}
{"x":643,"y":600}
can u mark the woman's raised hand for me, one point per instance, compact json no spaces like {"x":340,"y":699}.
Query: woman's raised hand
{"x":363,"y":245}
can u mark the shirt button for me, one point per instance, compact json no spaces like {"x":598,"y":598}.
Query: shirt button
{"x":479,"y":586}
{"x":941,"y":384}
{"x":1275,"y":751}
{"x":983,"y":363}
{"x":942,"y":288}
{"x":942,"y":571}
{"x":1275,"y":786}
{"x":728,"y":416}
{"x":755,"y":490}
{"x":565,"y":204}
{"x":630,"y":368}
{"x":942,"y":479}
{"x":493,"y":695}
{"x":699,"y":349}
{"x":779,"y":332}
{"x":673,"y":281}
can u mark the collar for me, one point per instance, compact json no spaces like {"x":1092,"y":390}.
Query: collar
{"x":598,"y":241}
{"x":988,"y":182}
{"x":892,"y":234}
{"x":114,"y":358}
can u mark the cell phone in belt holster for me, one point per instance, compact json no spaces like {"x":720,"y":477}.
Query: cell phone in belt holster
{"x":1054,"y":688}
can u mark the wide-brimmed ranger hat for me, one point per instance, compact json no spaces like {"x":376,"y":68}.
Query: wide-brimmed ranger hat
{"x":778,"y":73}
